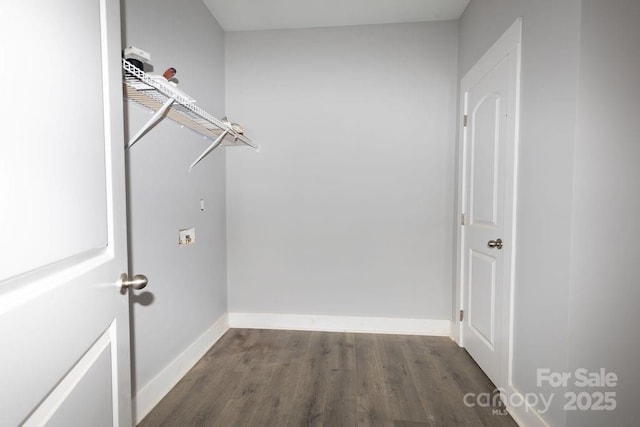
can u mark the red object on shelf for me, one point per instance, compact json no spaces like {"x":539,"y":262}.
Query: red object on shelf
{"x":169,"y":73}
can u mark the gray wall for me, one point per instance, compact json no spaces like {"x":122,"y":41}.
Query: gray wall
{"x":188,"y":285}
{"x":347,"y":210}
{"x":550,"y":51}
{"x":605,"y":277}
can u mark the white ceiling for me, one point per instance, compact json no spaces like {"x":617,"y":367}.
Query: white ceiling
{"x":248,"y":15}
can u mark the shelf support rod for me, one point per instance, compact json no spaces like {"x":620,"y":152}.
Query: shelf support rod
{"x":210,"y":149}
{"x":156,"y":116}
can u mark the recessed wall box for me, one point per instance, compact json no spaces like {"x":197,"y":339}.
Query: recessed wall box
{"x":186,"y":236}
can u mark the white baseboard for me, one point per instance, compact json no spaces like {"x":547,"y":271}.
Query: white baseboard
{"x":304,"y":322}
{"x":525,"y":415}
{"x":153,"y":392}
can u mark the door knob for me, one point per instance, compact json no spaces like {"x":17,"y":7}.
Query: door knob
{"x":139,"y":281}
{"x":495,"y":243}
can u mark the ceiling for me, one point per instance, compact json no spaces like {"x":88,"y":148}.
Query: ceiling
{"x":249,"y":15}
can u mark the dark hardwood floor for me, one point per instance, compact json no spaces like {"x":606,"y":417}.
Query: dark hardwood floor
{"x":289,"y":378}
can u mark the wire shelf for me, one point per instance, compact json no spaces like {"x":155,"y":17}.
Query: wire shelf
{"x":152,"y":94}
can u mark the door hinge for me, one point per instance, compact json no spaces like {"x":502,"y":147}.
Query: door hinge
{"x":465,"y":119}
{"x":461,"y":315}
{"x":463,"y":219}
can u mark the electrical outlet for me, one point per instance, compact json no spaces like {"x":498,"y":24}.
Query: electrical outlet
{"x":186,"y":236}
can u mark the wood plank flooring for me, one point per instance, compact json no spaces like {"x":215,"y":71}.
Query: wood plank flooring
{"x":289,"y":378}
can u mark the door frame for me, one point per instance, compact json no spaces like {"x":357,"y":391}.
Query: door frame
{"x":508,"y":44}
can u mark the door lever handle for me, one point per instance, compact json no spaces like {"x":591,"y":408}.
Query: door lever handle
{"x":495,"y":244}
{"x":139,"y":281}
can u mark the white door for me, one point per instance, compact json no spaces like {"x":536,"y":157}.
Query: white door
{"x":489,"y":99}
{"x":64,"y":325}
